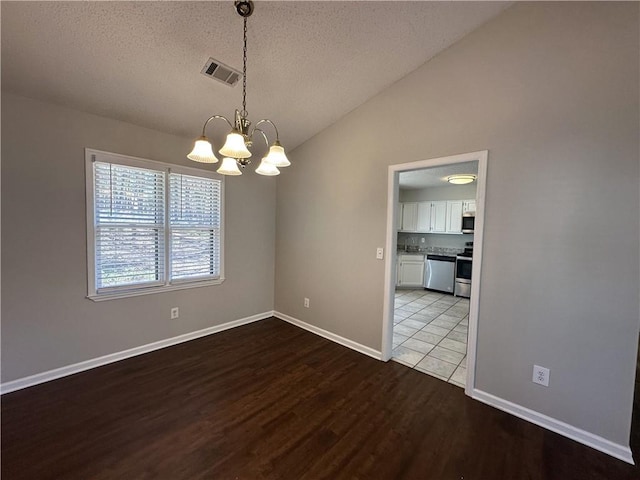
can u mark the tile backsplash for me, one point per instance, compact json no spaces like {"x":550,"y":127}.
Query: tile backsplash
{"x":432,"y":240}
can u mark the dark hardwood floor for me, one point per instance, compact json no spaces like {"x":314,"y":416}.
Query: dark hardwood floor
{"x":271,"y":401}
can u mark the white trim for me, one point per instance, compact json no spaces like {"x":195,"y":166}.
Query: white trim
{"x":581,"y":436}
{"x":132,"y":352}
{"x":166,"y":284}
{"x":390,"y":271}
{"x":358,"y":347}
{"x":100,"y":297}
{"x":481,"y":157}
{"x":139,"y":162}
{"x":474,"y":301}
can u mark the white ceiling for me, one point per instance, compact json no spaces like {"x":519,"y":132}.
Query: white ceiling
{"x":309,"y":63}
{"x":435,"y":176}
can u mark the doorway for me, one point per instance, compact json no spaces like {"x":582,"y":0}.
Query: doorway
{"x":391,"y":271}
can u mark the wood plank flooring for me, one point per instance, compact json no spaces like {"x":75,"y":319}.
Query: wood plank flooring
{"x":271,"y":401}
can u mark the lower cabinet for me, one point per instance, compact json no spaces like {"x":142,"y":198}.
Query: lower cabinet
{"x":410,"y":271}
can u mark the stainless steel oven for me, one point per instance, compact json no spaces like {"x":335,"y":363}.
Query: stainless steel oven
{"x":464,"y":263}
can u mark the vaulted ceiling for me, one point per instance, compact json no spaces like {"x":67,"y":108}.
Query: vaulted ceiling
{"x":309,"y":63}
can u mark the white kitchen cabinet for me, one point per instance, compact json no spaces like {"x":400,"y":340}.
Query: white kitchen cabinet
{"x":409,"y":216}
{"x":424,"y":217}
{"x":433,"y":217}
{"x":399,"y":217}
{"x":410,"y":270}
{"x":468,"y":206}
{"x":454,"y":216}
{"x":438,"y":217}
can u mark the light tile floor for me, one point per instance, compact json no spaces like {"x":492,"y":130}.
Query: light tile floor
{"x":430,"y":333}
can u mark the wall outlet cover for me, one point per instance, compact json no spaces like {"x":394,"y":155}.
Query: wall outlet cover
{"x":540,"y":375}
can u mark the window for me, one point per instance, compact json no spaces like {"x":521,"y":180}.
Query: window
{"x":151,"y":226}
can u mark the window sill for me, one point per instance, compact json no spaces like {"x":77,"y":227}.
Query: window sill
{"x":100,"y":297}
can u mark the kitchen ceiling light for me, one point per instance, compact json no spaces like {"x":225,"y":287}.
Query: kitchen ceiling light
{"x":461,"y":179}
{"x":240,"y":139}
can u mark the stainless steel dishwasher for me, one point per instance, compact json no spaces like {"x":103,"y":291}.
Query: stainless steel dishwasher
{"x":439,"y":272}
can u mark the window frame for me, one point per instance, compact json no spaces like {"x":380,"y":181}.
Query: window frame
{"x":166,"y":284}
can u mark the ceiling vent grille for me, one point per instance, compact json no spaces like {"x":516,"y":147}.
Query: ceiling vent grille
{"x":221,"y":72}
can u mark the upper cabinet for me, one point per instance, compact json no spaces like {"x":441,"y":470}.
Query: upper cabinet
{"x":424,"y":217}
{"x":438,"y":217}
{"x":415,"y":217}
{"x":454,"y":217}
{"x":433,"y":217}
{"x":409,"y":217}
{"x":468,"y":206}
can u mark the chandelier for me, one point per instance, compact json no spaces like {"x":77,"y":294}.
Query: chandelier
{"x":235,"y":151}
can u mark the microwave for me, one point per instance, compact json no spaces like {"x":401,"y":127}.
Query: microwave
{"x":468,"y":222}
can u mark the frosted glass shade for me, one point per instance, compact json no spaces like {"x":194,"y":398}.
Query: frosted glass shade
{"x":202,"y":152}
{"x":234,"y":147}
{"x":462,"y":179}
{"x":277,"y":156}
{"x":267,"y":168}
{"x":229,"y":167}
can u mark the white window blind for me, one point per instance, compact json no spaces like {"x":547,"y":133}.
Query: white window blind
{"x":194,"y":204}
{"x":151,"y":226}
{"x":129,"y":225}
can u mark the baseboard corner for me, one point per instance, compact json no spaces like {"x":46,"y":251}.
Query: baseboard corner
{"x":345,"y":342}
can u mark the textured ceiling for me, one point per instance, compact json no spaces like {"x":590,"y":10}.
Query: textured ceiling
{"x":435,"y":176}
{"x":310,"y":63}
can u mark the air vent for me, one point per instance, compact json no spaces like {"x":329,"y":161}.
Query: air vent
{"x":221,"y":72}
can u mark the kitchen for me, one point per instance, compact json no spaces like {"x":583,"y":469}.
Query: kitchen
{"x":436,"y":214}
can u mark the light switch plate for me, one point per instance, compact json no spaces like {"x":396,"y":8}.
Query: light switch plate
{"x":379,"y":253}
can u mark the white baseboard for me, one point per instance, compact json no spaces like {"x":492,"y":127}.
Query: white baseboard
{"x":358,"y":347}
{"x":581,"y":436}
{"x":132,"y":352}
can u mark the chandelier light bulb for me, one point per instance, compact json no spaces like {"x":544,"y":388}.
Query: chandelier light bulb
{"x":229,"y":167}
{"x":276,"y":156}
{"x":267,"y":168}
{"x":202,"y":151}
{"x":235,"y":147}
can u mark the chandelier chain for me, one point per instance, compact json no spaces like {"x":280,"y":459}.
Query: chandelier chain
{"x":244,"y":112}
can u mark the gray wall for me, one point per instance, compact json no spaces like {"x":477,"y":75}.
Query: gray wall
{"x":46,"y":320}
{"x":551,"y":90}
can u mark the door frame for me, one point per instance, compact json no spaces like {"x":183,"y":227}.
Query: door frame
{"x":391,"y":246}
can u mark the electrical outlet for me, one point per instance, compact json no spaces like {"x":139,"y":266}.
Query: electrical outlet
{"x":379,"y":253}
{"x":306,"y":302}
{"x":421,"y":239}
{"x":540,"y":375}
{"x":175,"y":313}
